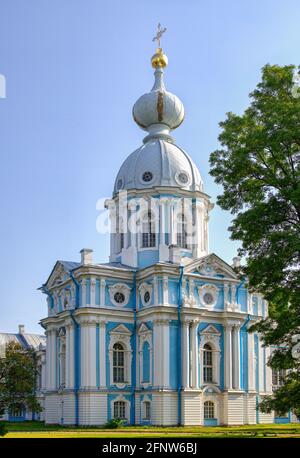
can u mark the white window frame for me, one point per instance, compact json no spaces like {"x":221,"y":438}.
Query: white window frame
{"x":121,"y":334}
{"x":143,"y":288}
{"x":211,"y":289}
{"x":155,"y":224}
{"x":119,"y":288}
{"x":210,"y":335}
{"x":209,"y":407}
{"x":212,"y":394}
{"x":146,"y":401}
{"x":127,"y":407}
{"x":144,"y":335}
{"x":205,"y":366}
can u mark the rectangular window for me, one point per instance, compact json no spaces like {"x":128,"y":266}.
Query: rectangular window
{"x":147,"y":410}
{"x":119,"y":410}
{"x":208,"y":374}
{"x":278,"y":377}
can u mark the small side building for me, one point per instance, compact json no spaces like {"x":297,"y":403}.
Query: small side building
{"x":38,"y":343}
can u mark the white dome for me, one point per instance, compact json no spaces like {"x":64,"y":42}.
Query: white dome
{"x":158,"y":106}
{"x":158,"y":163}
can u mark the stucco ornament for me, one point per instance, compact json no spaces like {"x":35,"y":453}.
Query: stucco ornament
{"x":145,"y":290}
{"x":208,"y":295}
{"x":119,"y":294}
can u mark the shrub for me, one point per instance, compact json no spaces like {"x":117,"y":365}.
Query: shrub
{"x":115,"y":423}
{"x":3,"y":428}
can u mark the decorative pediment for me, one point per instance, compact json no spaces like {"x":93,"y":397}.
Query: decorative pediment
{"x":58,"y":275}
{"x":210,"y":335}
{"x":120,"y":329}
{"x":210,"y":266}
{"x":210,"y":329}
{"x":143,"y":328}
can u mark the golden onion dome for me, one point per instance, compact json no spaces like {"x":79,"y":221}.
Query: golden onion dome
{"x":159,"y":59}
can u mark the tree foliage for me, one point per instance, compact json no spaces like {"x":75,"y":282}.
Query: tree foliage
{"x":18,"y":374}
{"x":258,"y":166}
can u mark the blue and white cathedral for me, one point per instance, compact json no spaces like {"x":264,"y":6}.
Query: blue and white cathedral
{"x":158,"y":335}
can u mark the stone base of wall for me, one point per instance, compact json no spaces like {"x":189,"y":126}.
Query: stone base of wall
{"x":231,"y":408}
{"x":164,"y":408}
{"x":60,"y":408}
{"x":191,"y":407}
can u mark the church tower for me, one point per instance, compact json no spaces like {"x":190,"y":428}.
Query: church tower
{"x":159,"y":211}
{"x":157,"y":335}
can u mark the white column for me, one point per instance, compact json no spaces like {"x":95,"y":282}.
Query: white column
{"x":102,"y":292}
{"x":73,"y":296}
{"x":165,"y":290}
{"x":268,"y":371}
{"x":83,"y":355}
{"x":163,"y":247}
{"x":226,"y":297}
{"x":88,"y":354}
{"x":261,"y":366}
{"x":133,"y":235}
{"x":83,"y":292}
{"x":191,"y":291}
{"x":168,"y":220}
{"x":67,"y":362}
{"x":157,"y":355}
{"x":48,"y":360}
{"x":92,"y":355}
{"x":111,"y":206}
{"x":71,"y":356}
{"x":233,"y":296}
{"x":155,"y":290}
{"x":125,"y":224}
{"x":93,"y":292}
{"x":162,"y":225}
{"x":53,"y":360}
{"x":173,"y":235}
{"x":228,"y":357}
{"x":185,"y":354}
{"x":195,"y":354}
{"x":205,"y":228}
{"x":102,"y":353}
{"x":43,"y":386}
{"x":165,"y":337}
{"x":236,"y":357}
{"x":251,"y":362}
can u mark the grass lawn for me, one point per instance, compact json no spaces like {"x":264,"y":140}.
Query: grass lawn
{"x":36,"y":429}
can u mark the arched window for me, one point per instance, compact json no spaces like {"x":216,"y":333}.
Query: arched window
{"x":120,"y":410}
{"x":118,"y":363}
{"x":148,"y":231}
{"x":182,"y":231}
{"x":207,"y":364}
{"x":209,"y":410}
{"x":147,"y":410}
{"x":146,"y":363}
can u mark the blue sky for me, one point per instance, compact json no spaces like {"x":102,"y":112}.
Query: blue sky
{"x":73,"y":70}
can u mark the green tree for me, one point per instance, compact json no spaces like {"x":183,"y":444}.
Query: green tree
{"x":18,"y":374}
{"x":258,"y":165}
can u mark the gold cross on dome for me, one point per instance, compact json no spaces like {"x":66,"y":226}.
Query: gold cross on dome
{"x":159,"y":33}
